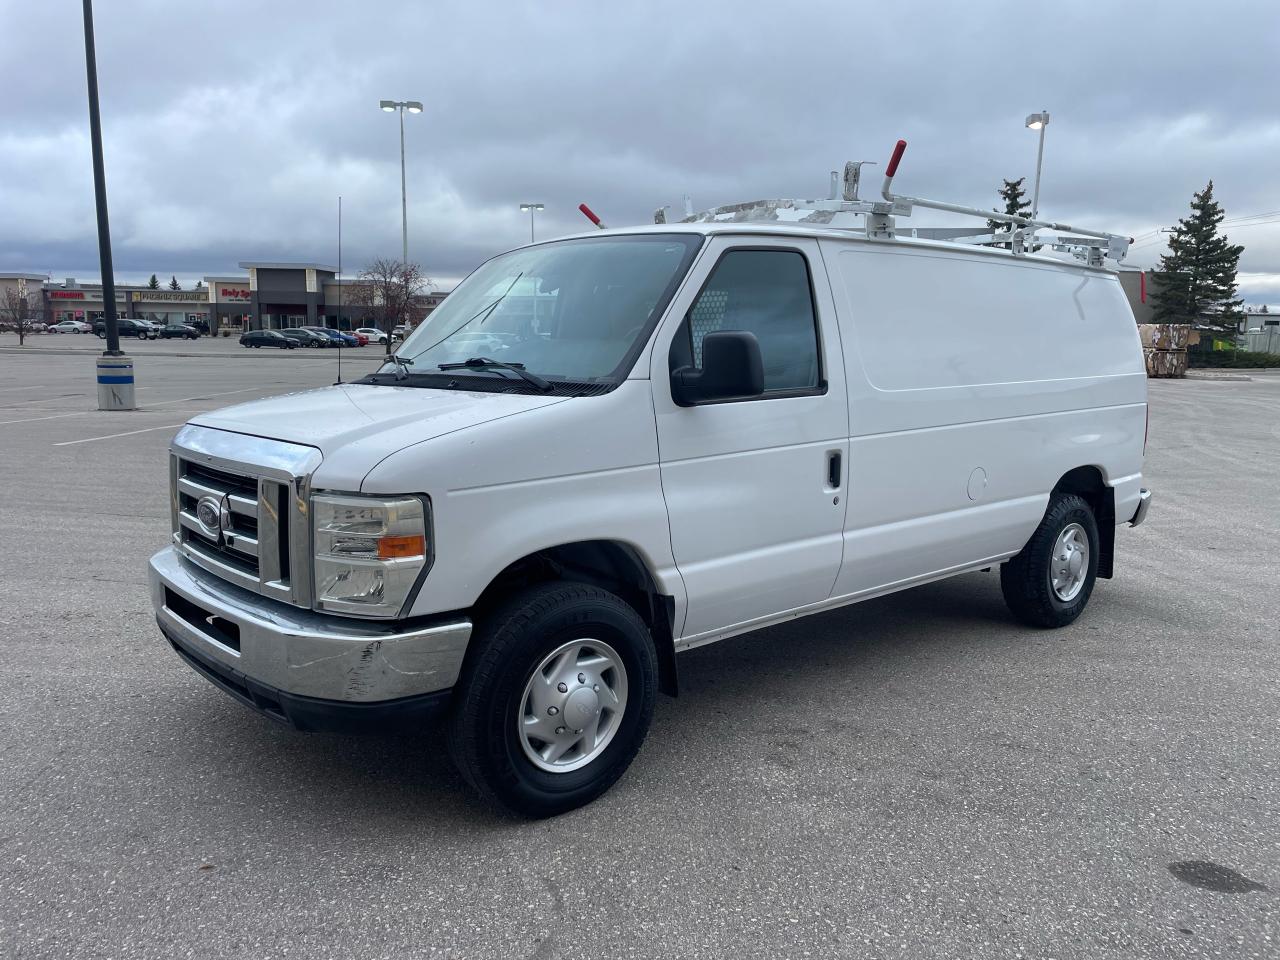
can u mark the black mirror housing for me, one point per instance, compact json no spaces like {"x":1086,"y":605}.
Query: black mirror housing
{"x":732,"y":368}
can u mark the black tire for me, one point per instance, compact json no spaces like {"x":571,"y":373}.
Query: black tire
{"x":1027,"y":579}
{"x":509,"y":644}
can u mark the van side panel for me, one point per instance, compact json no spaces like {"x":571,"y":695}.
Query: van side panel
{"x":975,"y":382}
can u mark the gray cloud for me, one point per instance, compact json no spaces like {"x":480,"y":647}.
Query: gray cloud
{"x":231,"y":128}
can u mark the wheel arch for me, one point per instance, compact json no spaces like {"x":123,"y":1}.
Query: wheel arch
{"x":609,"y":564}
{"x":1090,"y":482}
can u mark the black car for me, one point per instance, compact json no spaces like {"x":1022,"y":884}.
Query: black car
{"x":179,"y":330}
{"x":306,"y":338}
{"x":267,"y":338}
{"x":125,"y":327}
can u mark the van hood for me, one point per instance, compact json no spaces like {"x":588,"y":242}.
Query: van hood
{"x":377,"y":419}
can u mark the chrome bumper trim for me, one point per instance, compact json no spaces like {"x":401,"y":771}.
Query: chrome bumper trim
{"x":1144,"y":504}
{"x":306,"y":653}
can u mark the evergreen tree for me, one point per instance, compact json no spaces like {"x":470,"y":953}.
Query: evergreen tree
{"x":153,"y":283}
{"x":1015,"y":204}
{"x":1196,"y":279}
{"x":1264,"y":309}
{"x":199,"y":285}
{"x":174,"y":284}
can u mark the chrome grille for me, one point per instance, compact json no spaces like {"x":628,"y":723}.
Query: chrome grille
{"x":236,"y":543}
{"x":260,"y":488}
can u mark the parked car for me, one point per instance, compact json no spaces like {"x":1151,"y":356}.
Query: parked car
{"x":399,"y":331}
{"x":179,"y":331}
{"x":267,"y":338}
{"x":725,"y":426}
{"x":375,"y":335}
{"x":361,"y":339}
{"x":127,"y":327}
{"x":71,"y":326}
{"x":155,"y":325}
{"x":201,"y":325}
{"x":337,"y":337}
{"x":307,"y":338}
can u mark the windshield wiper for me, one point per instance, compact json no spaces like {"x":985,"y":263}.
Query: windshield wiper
{"x":484,"y":363}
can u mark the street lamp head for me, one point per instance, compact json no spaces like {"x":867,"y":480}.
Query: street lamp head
{"x":1037,"y":120}
{"x":526,"y":207}
{"x":388,"y":105}
{"x":413,"y":106}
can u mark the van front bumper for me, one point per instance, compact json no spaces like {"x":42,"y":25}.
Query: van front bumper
{"x":309,"y":670}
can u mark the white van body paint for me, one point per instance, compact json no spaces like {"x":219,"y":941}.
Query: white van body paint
{"x":959,"y":384}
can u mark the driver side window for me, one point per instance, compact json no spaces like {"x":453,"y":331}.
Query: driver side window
{"x":767,"y":293}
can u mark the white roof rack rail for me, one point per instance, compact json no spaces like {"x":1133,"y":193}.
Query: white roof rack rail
{"x":1091,"y":246}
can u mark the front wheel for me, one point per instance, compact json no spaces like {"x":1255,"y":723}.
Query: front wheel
{"x":555,"y":700}
{"x":1050,"y":581}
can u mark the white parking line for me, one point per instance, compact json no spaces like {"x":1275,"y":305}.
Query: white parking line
{"x":112,"y":436}
{"x":159,"y":403}
{"x":34,"y":386}
{"x":206,"y":396}
{"x":56,"y":416}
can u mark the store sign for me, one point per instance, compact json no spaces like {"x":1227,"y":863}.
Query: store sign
{"x":66,"y":294}
{"x":170,"y":296}
{"x":237,"y":294}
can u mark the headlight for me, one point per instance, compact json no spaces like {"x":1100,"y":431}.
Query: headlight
{"x":368,"y":552}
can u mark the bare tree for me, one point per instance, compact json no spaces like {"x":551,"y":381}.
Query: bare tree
{"x":387,"y":292}
{"x":19,"y":312}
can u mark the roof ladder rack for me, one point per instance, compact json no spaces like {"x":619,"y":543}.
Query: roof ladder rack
{"x":1091,"y":246}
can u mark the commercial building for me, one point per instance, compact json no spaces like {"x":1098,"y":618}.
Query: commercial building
{"x":270,"y":295}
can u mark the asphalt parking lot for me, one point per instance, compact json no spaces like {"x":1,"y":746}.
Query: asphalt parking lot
{"x":916,"y":776}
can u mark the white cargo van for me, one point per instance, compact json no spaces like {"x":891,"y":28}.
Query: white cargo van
{"x":600,"y":451}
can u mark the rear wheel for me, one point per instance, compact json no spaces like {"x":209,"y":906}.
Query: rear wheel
{"x":1050,"y":581}
{"x":556,"y":699}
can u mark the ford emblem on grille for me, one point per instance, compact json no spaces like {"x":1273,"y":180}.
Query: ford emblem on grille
{"x":209,"y":512}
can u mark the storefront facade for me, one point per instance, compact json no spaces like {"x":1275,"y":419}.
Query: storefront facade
{"x":270,"y":296}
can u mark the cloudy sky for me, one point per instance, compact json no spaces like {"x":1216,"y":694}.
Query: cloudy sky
{"x":231,"y":128}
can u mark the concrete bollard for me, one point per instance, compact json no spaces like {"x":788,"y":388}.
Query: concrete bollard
{"x":115,"y":384}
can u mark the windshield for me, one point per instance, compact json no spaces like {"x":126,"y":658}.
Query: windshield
{"x":571,"y":310}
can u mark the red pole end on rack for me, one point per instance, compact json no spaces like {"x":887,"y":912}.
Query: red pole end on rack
{"x":898,"y":151}
{"x":586,"y":212}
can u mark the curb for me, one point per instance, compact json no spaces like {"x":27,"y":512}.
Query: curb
{"x":1215,"y":375}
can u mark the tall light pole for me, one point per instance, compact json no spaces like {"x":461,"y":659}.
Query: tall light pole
{"x":413,"y":106}
{"x":114,"y":369}
{"x":1037,"y":121}
{"x":532,"y":208}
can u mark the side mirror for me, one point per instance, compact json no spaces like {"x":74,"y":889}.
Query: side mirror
{"x":731,"y":368}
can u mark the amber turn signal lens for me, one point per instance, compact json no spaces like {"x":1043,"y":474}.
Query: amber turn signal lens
{"x":394,"y":548}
